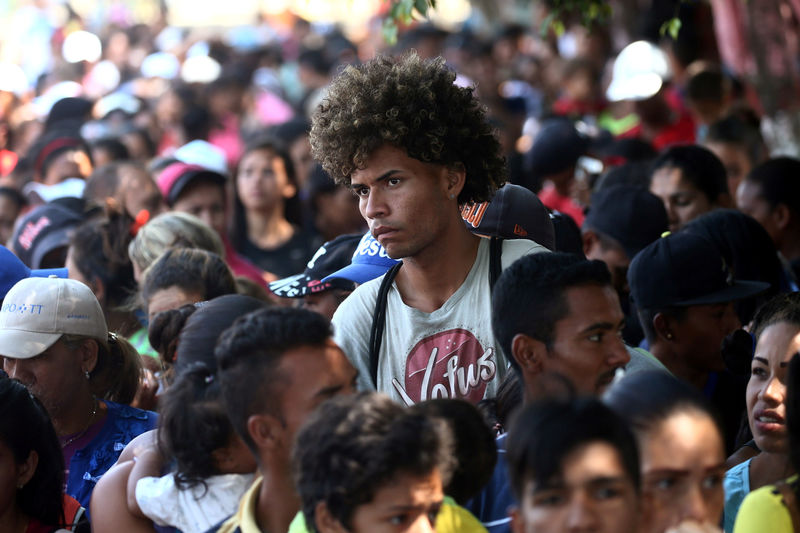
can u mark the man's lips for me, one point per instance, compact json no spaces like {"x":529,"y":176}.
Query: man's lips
{"x":383,"y":231}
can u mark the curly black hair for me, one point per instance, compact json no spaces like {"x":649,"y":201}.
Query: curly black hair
{"x":412,"y":104}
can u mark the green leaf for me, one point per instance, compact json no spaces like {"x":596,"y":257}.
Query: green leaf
{"x":422,"y":6}
{"x":671,"y":27}
{"x":389,"y":31}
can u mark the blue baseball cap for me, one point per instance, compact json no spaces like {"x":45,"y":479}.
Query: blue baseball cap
{"x":369,"y":261}
{"x":12,"y":270}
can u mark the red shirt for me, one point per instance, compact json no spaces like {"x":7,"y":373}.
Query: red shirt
{"x":552,"y":199}
{"x":681,"y":131}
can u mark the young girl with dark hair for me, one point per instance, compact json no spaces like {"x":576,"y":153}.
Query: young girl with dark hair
{"x":213,"y":465}
{"x":266,"y":217}
{"x":31,"y":492}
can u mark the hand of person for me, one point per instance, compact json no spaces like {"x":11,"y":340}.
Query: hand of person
{"x":146,"y":394}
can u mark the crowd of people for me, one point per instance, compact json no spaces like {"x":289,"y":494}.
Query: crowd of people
{"x":466,"y":285}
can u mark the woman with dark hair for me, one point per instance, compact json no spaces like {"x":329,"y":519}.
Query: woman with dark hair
{"x":32,"y":484}
{"x":777,"y":335}
{"x":210,"y":460}
{"x":690,"y":180}
{"x":184,"y":276}
{"x":267,"y":224}
{"x":680,"y":449}
{"x":774,"y":508}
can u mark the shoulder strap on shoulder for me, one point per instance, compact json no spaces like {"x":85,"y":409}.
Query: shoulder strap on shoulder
{"x":495,"y":260}
{"x":790,"y":501}
{"x":379,"y":321}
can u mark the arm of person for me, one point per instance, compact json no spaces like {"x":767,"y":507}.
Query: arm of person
{"x":147,"y":462}
{"x":352,"y":324}
{"x":109,"y":506}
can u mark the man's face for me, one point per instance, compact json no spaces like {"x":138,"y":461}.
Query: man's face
{"x":615,"y":258}
{"x":313,"y":374}
{"x":593,"y":492}
{"x":700,"y":334}
{"x":406,"y":504}
{"x":750,"y":202}
{"x":206,"y":201}
{"x":682,"y":200}
{"x":587,"y":347}
{"x":736,"y":161}
{"x":139,"y":191}
{"x":68,"y":164}
{"x":405,"y":201}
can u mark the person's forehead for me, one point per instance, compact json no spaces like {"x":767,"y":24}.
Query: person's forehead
{"x":383,"y":159}
{"x":592,"y":301}
{"x":670,"y":179}
{"x":587,"y":463}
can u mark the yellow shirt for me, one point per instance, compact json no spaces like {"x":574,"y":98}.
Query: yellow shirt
{"x":763,"y":510}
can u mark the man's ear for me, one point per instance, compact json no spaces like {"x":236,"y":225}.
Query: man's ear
{"x":663,"y":326}
{"x":590,"y":240}
{"x":517,"y":524}
{"x":325,"y":521}
{"x":266,"y":430}
{"x":456,"y":177}
{"x":529,"y":354}
{"x":781,"y":215}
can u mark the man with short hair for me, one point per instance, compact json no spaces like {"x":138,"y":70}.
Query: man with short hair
{"x":365,"y":464}
{"x":621,"y":221}
{"x":414,"y":147}
{"x":771,"y":195}
{"x":684,"y":292}
{"x":574,"y":466}
{"x":557,"y":318}
{"x":276,"y":366}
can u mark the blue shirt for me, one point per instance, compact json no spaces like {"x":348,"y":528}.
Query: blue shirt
{"x":492,"y":504}
{"x":88,"y":464}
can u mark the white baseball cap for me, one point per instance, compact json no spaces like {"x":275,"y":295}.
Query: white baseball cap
{"x":36,"y":312}
{"x":641,"y":68}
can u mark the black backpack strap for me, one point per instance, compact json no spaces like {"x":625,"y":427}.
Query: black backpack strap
{"x":379,"y":321}
{"x":495,"y":260}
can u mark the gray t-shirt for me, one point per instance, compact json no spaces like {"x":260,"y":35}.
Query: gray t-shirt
{"x":449,"y":353}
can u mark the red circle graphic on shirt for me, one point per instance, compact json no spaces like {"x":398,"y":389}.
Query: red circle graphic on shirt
{"x":449,"y":364}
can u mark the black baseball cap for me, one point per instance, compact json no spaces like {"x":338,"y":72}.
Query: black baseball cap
{"x":42,"y":230}
{"x":630,"y":215}
{"x":557,"y":146}
{"x":683,"y":269}
{"x":331,"y":256}
{"x":513,"y":213}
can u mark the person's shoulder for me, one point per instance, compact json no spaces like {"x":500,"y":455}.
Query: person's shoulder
{"x":513,"y":249}
{"x":119,"y":410}
{"x":360,"y":301}
{"x":763,"y":510}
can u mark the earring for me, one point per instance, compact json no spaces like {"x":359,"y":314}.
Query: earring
{"x":452,"y":196}
{"x":86,"y":373}
{"x":669,"y":336}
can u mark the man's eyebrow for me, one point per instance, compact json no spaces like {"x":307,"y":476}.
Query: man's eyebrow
{"x":671,"y":471}
{"x":606,"y":480}
{"x":383,"y":177}
{"x":328,"y":391}
{"x":761,"y":360}
{"x":602,"y":326}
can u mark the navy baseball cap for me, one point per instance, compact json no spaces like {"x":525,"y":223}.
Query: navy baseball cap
{"x":369,"y":261}
{"x":329,"y":258}
{"x":684,"y":269}
{"x":42,"y":230}
{"x":632,"y":216}
{"x":557,"y":146}
{"x":513,"y":213}
{"x":12,"y":270}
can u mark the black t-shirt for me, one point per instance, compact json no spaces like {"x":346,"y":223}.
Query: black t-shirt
{"x":286,"y":260}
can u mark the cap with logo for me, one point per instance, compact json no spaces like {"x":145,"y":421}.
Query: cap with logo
{"x":38,"y":311}
{"x":631,"y":215}
{"x":513,"y":213}
{"x":683,"y":269}
{"x":330,"y":257}
{"x":369,"y":261}
{"x":12,"y":270}
{"x":42,"y":230}
{"x":176,"y":177}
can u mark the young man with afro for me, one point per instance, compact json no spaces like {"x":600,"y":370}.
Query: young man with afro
{"x":414,"y":148}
